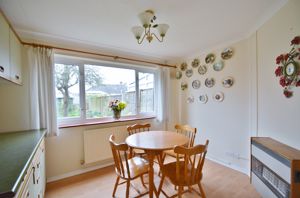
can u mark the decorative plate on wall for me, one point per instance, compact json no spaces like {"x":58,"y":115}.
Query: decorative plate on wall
{"x":218,"y":97}
{"x":218,"y":66}
{"x":227,"y":53}
{"x":203,"y":98}
{"x":184,"y":85}
{"x":196,"y":84}
{"x":183,"y":66}
{"x":178,"y":74}
{"x":209,"y":82}
{"x":202,"y":69}
{"x":227,"y":82}
{"x":210,"y":58}
{"x":190,"y":99}
{"x":195,"y":62}
{"x":189,"y":72}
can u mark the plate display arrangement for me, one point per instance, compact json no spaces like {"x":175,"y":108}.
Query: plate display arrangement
{"x":202,"y":69}
{"x":218,"y":66}
{"x":183,"y":66}
{"x":227,"y":53}
{"x":189,"y":73}
{"x":190,"y":99}
{"x":196,"y":62}
{"x":209,"y":82}
{"x":178,"y":74}
{"x":218,"y":97}
{"x":210,"y":58}
{"x":184,"y":86}
{"x":203,"y":98}
{"x":196,"y":84}
{"x":227,"y":82}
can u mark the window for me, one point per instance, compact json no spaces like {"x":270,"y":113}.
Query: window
{"x":84,"y":89}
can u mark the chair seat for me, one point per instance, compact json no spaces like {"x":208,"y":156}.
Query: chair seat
{"x":139,"y":151}
{"x":172,"y":153}
{"x":169,"y":170}
{"x":137,"y":167}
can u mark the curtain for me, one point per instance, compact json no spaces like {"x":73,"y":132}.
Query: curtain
{"x":163,"y":96}
{"x":42,"y":89}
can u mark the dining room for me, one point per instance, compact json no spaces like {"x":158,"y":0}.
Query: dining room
{"x":149,"y":98}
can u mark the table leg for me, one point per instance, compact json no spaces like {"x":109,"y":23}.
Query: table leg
{"x":151,"y":173}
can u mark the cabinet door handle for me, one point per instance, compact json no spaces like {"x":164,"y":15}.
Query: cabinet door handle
{"x":17,"y":77}
{"x":33,"y":175}
{"x":1,"y":69}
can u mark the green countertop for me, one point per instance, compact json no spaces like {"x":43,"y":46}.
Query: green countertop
{"x":16,"y":152}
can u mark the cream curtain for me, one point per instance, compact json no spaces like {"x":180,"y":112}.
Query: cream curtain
{"x":42,"y":89}
{"x":163,"y":96}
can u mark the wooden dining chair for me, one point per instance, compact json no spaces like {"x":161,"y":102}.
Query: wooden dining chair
{"x":187,"y":131}
{"x":127,"y":168}
{"x":185,"y":171}
{"x":137,"y":128}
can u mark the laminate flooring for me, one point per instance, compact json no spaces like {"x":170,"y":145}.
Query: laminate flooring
{"x":218,"y":182}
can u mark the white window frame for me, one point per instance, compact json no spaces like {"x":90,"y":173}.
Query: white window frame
{"x":80,"y":62}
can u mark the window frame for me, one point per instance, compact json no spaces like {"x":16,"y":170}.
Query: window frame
{"x":80,"y":62}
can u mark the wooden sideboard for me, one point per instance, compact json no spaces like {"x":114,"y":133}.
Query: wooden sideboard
{"x":275,"y":168}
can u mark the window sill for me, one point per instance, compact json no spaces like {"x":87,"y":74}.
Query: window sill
{"x":63,"y":126}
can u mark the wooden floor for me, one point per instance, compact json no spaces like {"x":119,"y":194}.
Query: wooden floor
{"x":218,"y":182}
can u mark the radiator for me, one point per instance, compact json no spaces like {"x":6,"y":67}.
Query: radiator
{"x":96,"y":143}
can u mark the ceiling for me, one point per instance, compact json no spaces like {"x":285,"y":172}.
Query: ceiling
{"x":195,"y":25}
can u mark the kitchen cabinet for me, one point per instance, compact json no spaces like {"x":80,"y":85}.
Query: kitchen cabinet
{"x":23,"y":173}
{"x":15,"y":58}
{"x":10,"y":53}
{"x":34,"y":182}
{"x":4,"y":48}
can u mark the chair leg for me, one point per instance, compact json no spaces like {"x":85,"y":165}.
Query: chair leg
{"x":142,"y":180}
{"x":201,"y":190}
{"x":127,"y":188}
{"x":180,"y":189}
{"x":160,"y":184}
{"x":116,"y":185}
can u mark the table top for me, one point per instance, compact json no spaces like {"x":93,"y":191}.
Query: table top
{"x":16,"y":152}
{"x":156,"y":140}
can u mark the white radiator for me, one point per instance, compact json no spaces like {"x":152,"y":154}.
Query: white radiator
{"x":96,"y":143}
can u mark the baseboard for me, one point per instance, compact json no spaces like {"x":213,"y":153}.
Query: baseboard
{"x":229,"y":165}
{"x":77,"y":172}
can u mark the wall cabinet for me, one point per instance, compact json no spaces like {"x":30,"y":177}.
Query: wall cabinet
{"x":15,"y":58}
{"x":34,"y":182}
{"x":4,"y":48}
{"x":10,"y":53}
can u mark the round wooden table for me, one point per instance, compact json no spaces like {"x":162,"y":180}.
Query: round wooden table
{"x":154,"y":143}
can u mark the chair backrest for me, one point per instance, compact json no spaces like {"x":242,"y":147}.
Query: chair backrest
{"x":120,"y":151}
{"x":188,"y":131}
{"x":137,"y":128}
{"x":189,"y":167}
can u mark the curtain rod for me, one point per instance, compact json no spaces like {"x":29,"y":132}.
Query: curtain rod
{"x":97,"y":54}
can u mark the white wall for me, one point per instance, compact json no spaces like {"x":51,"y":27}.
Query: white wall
{"x":225,"y":124}
{"x":278,"y":117}
{"x":255,"y":104}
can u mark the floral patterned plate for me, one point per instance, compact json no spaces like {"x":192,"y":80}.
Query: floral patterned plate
{"x":189,"y":73}
{"x":227,"y":53}
{"x":178,"y":75}
{"x":209,"y":82}
{"x":183,"y":66}
{"x":202,"y":69}
{"x":196,"y":84}
{"x":210,"y":58}
{"x":195,"y":62}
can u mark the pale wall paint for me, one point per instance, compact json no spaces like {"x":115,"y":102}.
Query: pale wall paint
{"x":225,"y":124}
{"x":278,"y":117}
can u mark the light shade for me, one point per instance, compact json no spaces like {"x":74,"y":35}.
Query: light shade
{"x":137,"y":31}
{"x":162,"y":29}
{"x":145,"y":18}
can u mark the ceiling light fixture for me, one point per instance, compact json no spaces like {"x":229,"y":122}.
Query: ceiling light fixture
{"x":147,"y":19}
